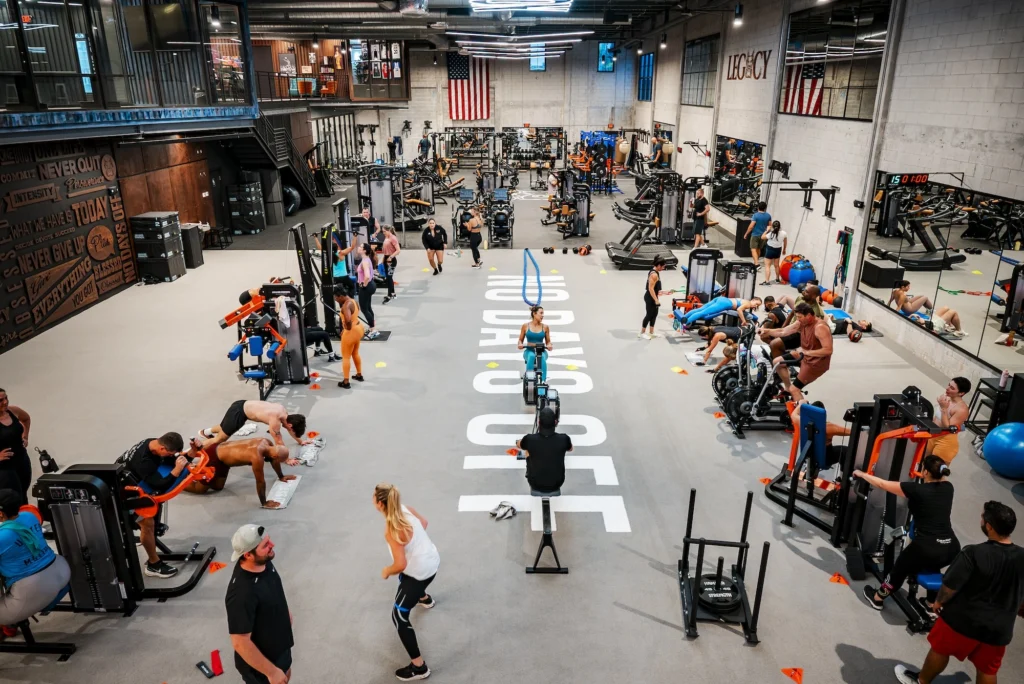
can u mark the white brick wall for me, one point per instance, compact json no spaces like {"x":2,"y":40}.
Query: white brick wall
{"x":958,"y":95}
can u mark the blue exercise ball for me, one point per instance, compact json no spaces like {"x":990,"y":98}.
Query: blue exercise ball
{"x":1004,"y":450}
{"x":801,"y":273}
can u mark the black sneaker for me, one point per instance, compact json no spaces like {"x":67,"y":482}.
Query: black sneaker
{"x":334,"y":357}
{"x":387,"y":299}
{"x":161,"y":570}
{"x":435,"y":271}
{"x":869,"y":594}
{"x":411,"y":672}
{"x":358,"y":377}
{"x":440,"y":268}
{"x":904,"y":674}
{"x":319,"y":352}
{"x":345,"y":384}
{"x":426,"y":602}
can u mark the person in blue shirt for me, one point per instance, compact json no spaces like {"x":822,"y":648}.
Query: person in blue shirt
{"x":33,"y":575}
{"x":538,"y":336}
{"x":759,"y":223}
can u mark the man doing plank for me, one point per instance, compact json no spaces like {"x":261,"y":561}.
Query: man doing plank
{"x":255,"y":453}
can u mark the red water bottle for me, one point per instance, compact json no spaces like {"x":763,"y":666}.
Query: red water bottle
{"x":215,"y":665}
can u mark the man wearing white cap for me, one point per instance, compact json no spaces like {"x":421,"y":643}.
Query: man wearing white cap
{"x":259,"y":621}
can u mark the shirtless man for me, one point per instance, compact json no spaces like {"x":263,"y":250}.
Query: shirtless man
{"x":255,"y":453}
{"x":273,"y":415}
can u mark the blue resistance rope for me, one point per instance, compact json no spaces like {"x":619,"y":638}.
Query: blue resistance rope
{"x":536,"y":268}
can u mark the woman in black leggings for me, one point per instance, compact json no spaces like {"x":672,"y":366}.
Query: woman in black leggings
{"x":367,"y":286}
{"x":651,"y":294}
{"x":934,"y":545}
{"x":473,"y":227}
{"x":15,"y":466}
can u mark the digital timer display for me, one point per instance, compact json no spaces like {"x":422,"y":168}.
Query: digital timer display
{"x":899,"y":179}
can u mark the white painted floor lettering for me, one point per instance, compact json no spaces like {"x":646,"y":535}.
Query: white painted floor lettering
{"x":502,"y":336}
{"x":511,"y":382}
{"x":477,"y":429}
{"x":516,"y":295}
{"x":520,"y":316}
{"x":556,"y":357}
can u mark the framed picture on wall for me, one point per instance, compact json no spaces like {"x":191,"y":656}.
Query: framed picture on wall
{"x":396,"y":51}
{"x":374,"y":51}
{"x":306,"y":69}
{"x":375,"y":66}
{"x":385,"y":70}
{"x":286,"y":64}
{"x":312,"y":58}
{"x":365,"y":48}
{"x":396,"y":70}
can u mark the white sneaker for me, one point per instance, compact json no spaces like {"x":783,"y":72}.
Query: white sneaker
{"x":640,"y":334}
{"x":654,"y":334}
{"x":647,"y":336}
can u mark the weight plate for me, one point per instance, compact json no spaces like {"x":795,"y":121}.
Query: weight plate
{"x":723,"y":599}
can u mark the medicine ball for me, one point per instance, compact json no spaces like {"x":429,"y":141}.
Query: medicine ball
{"x":837,"y":302}
{"x":827,"y":296}
{"x":855,"y":335}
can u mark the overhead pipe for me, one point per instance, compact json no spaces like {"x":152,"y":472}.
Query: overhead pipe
{"x":256,"y":14}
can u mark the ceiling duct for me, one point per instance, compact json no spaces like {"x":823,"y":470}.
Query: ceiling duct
{"x":415,"y":8}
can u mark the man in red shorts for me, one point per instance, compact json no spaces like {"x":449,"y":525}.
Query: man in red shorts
{"x":255,"y":453}
{"x":982,"y":593}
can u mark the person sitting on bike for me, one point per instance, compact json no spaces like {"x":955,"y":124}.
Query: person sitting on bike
{"x":545,"y":452}
{"x":814,"y":354}
{"x":536,"y":334}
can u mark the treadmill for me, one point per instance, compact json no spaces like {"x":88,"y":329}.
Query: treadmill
{"x":634,"y":254}
{"x":936,"y":255}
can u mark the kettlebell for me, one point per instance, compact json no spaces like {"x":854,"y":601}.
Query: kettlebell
{"x":855,"y":335}
{"x":565,"y":250}
{"x":575,"y":250}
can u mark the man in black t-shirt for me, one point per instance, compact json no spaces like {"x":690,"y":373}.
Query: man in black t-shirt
{"x":259,"y":621}
{"x":701,"y":208}
{"x":545,"y":454}
{"x":982,"y":593}
{"x":143,"y":461}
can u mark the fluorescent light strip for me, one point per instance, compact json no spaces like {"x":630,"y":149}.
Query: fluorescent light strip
{"x":506,"y":43}
{"x":535,"y":38}
{"x":523,"y":54}
{"x":521,"y":59}
{"x":520,"y":5}
{"x":536,"y":49}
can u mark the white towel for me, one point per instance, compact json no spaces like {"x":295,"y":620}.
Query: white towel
{"x":246,"y":429}
{"x":282,"y":492}
{"x":309,"y":454}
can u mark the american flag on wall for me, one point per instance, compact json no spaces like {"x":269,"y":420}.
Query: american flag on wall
{"x":803,"y":90}
{"x":469,"y":88}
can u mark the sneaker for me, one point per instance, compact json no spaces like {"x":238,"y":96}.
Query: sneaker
{"x":698,"y":363}
{"x":778,"y":281}
{"x":387,"y":299}
{"x":345,"y":384}
{"x":869,"y":594}
{"x":359,"y":377}
{"x":319,"y":352}
{"x":907,"y":676}
{"x":640,"y":334}
{"x":205,"y":434}
{"x":440,"y":268}
{"x":654,"y":334}
{"x":161,"y":570}
{"x":411,"y":672}
{"x":647,"y":336}
{"x":435,"y":271}
{"x":426,"y":602}
{"x":334,"y":357}
{"x":477,"y":265}
{"x":766,"y":283}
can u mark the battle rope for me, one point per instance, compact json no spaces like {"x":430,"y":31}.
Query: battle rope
{"x":536,"y":267}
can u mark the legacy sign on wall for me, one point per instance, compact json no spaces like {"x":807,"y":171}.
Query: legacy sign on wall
{"x":752,"y":65}
{"x":64,"y":240}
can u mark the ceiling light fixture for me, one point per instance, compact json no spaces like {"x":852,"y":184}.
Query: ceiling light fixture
{"x":520,"y":5}
{"x":435,"y":60}
{"x":664,"y":41}
{"x":215,"y":16}
{"x":316,"y":42}
{"x":640,"y":50}
{"x":737,"y":19}
{"x":539,"y":36}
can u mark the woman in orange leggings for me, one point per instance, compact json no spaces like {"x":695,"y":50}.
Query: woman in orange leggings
{"x":351,"y":334}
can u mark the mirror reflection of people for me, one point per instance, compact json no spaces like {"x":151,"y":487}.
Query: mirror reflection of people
{"x":906,"y":302}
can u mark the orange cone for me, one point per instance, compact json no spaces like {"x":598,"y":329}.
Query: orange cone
{"x":794,"y":673}
{"x":719,"y":415}
{"x":765,"y":480}
{"x":314,"y":386}
{"x":215,"y":566}
{"x":839,"y":579}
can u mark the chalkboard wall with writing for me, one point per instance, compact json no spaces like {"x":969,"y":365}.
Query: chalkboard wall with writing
{"x":64,"y":239}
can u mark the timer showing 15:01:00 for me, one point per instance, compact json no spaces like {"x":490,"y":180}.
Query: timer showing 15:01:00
{"x":897,"y":179}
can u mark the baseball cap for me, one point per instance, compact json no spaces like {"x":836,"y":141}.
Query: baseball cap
{"x":245,"y":539}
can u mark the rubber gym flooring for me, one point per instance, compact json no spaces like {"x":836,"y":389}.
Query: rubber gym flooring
{"x":152,"y":359}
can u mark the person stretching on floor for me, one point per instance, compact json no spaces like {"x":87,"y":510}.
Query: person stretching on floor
{"x":905,"y":302}
{"x":273,"y":415}
{"x":934,"y":545}
{"x":950,"y":321}
{"x":535,"y":333}
{"x":415,"y":560}
{"x":729,"y":352}
{"x":714,"y":335}
{"x":814,"y":354}
{"x":952,"y":413}
{"x":351,"y":334}
{"x":255,"y":453}
{"x":435,"y":241}
{"x":981,"y":596}
{"x":367,"y":286}
{"x":651,"y":294}
{"x":33,"y":575}
{"x":717,"y":307}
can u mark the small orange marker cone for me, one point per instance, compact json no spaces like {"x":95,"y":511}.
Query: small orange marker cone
{"x":314,"y":386}
{"x":719,"y":415}
{"x":839,"y":579}
{"x":312,"y":435}
{"x":765,"y":480}
{"x":512,"y":452}
{"x":794,"y":673}
{"x":314,"y":375}
{"x":215,"y":566}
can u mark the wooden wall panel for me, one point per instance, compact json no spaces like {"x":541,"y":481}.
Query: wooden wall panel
{"x":129,"y":161}
{"x":161,"y":194}
{"x":178,"y":185}
{"x":156,"y":157}
{"x":177,"y":153}
{"x":135,"y":191}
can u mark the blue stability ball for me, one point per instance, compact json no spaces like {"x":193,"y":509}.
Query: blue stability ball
{"x":802,"y":272}
{"x":1004,"y":450}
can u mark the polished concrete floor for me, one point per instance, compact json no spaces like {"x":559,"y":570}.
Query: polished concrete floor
{"x":152,"y":359}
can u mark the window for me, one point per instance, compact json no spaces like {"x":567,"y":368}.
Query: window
{"x":538,"y":63}
{"x":646,"y":84}
{"x":700,"y":72}
{"x":833,"y":60}
{"x":224,"y":53}
{"x":606,"y":57}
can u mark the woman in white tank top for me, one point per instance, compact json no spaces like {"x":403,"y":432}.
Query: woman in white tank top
{"x":415,"y":560}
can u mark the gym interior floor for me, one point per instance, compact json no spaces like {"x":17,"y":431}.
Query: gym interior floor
{"x":152,"y":359}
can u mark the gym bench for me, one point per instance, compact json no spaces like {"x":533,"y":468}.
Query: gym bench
{"x":546,"y":540}
{"x":30,"y":645}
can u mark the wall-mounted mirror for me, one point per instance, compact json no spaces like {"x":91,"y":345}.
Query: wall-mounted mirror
{"x":665,"y":133}
{"x":736,"y":185}
{"x":939,"y":256}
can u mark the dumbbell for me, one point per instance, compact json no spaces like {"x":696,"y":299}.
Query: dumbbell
{"x":855,"y":335}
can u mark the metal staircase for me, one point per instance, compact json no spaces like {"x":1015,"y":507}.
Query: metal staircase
{"x":270,"y":147}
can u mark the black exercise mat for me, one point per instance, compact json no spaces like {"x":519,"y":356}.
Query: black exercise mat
{"x":383,"y":337}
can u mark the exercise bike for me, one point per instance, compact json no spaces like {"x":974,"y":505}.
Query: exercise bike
{"x":752,"y":407}
{"x":461,"y":215}
{"x":726,"y":379}
{"x":500,"y":219}
{"x":535,"y":388}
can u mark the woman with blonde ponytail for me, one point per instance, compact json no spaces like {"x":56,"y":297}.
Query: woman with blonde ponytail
{"x":415,"y":560}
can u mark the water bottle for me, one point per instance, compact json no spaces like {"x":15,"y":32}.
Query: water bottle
{"x":1003,"y":379}
{"x":46,"y":461}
